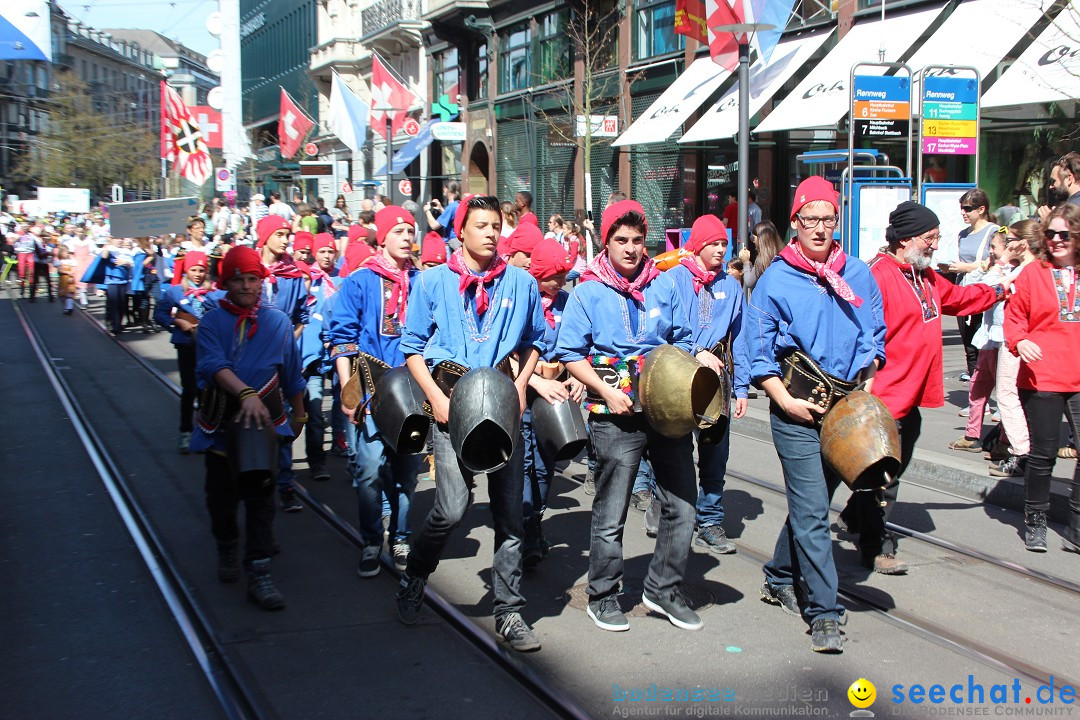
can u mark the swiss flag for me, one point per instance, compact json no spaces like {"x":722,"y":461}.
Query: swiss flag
{"x":388,"y":92}
{"x":724,"y":46}
{"x":209,"y":123}
{"x":293,"y":126}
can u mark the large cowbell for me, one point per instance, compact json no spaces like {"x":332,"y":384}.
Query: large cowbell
{"x":559,"y":428}
{"x":859,"y":439}
{"x":678,"y":393}
{"x":485,"y":419}
{"x":397,"y":409}
{"x":253,"y":457}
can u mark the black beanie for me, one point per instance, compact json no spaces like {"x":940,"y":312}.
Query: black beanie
{"x":908,"y":220}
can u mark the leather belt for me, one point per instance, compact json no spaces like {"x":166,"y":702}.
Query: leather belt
{"x":805,"y":380}
{"x":622,"y":374}
{"x":447,"y":373}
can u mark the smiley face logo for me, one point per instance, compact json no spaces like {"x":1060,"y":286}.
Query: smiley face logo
{"x":862,"y":693}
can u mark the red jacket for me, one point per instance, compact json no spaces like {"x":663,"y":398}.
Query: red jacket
{"x":1033,"y":313}
{"x":913,"y":374}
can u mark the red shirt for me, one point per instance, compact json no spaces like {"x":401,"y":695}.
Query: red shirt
{"x":913,"y":374}
{"x":731,"y":218}
{"x":1034,"y":312}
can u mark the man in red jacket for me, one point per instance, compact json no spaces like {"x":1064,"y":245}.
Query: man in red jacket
{"x":915,"y":297}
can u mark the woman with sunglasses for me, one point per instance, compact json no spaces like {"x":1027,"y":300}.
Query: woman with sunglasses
{"x":974,"y":252}
{"x":1042,"y":327}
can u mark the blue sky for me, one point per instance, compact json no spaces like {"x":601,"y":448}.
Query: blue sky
{"x":182,"y":20}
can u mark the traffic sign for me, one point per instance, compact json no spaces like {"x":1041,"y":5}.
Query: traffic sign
{"x":882,"y":106}
{"x":411,"y":127}
{"x":950,"y":107}
{"x":311,"y":149}
{"x":224,"y":180}
{"x":405,"y":187}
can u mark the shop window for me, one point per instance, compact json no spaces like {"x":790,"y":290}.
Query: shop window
{"x":515,"y":58}
{"x":478,"y":89}
{"x":446,"y":74}
{"x":553,"y":45}
{"x":654,"y":30}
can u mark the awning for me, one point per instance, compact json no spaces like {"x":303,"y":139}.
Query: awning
{"x":1005,"y":21}
{"x":822,"y":98}
{"x":678,"y":102}
{"x":25,"y":32}
{"x":1048,"y":71}
{"x":722,"y":120}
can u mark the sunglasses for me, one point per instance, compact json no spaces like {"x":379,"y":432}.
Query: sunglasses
{"x":1063,"y":235}
{"x":969,"y":208}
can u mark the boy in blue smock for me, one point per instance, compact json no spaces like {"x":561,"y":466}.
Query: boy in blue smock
{"x":475,"y":311}
{"x":285,"y":287}
{"x":249,"y":365}
{"x":713,"y":301}
{"x":367,"y":322}
{"x":623,"y":308}
{"x":817,"y":300}
{"x":180,"y":309}
{"x":313,"y":352}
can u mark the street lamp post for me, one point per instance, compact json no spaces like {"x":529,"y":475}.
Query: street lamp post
{"x":742,"y":32}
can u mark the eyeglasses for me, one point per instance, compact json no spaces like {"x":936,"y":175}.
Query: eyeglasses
{"x":929,"y":239}
{"x":809,"y":223}
{"x":1063,"y":235}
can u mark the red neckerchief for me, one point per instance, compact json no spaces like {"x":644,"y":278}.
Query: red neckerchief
{"x":316,"y":273}
{"x":399,"y":298}
{"x":700,"y":277}
{"x":250,"y":314}
{"x":827,"y":271}
{"x":284,"y":267}
{"x":466,"y":278}
{"x":198,"y":292}
{"x":547,"y":302}
{"x":602,"y":270}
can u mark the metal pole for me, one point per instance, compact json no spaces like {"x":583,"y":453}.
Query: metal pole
{"x":388,"y":197}
{"x":744,"y":141}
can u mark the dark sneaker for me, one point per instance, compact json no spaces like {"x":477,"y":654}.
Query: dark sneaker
{"x":782,"y":595}
{"x":590,"y":483}
{"x":339,"y":448}
{"x":228,"y":561}
{"x":714,"y":538}
{"x":1035,"y":531}
{"x":410,"y":596}
{"x":886,"y":564}
{"x":607,"y":614}
{"x":1012,"y":466}
{"x":401,"y":556}
{"x":825,"y":636}
{"x":675,"y":610}
{"x":641,"y":500}
{"x":652,"y":518}
{"x":290,"y":502}
{"x":319,"y":472}
{"x":847,"y":524}
{"x":261,"y":590}
{"x":517,"y":633}
{"x":369,"y":562}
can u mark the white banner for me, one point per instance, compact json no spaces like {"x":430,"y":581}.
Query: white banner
{"x":70,"y":200}
{"x":151,"y":217}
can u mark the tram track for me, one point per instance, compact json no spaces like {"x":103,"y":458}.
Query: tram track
{"x":552,"y":698}
{"x":563,"y":706}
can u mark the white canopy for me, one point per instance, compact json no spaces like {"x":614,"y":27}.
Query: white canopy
{"x":823,"y":97}
{"x":1047,"y":71}
{"x":678,"y":103}
{"x":722,"y":120}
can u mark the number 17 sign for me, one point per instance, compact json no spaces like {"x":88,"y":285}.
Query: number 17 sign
{"x":950,"y":111}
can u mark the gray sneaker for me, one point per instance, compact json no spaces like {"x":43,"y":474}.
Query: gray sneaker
{"x":369,"y":562}
{"x":517,"y":633}
{"x":652,"y":517}
{"x":825,"y":636}
{"x":1012,"y":466}
{"x":641,"y":500}
{"x":714,"y":538}
{"x":401,"y":556}
{"x":675,"y":610}
{"x":607,"y":614}
{"x":589,"y":485}
{"x":410,"y":597}
{"x":184,"y":443}
{"x":782,"y":595}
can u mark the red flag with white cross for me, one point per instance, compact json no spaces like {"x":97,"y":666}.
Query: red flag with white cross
{"x":389,"y":99}
{"x":293,"y":126}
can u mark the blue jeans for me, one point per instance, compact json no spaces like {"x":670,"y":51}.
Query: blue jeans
{"x":376,"y":469}
{"x":538,"y":471}
{"x":619,"y":442}
{"x":286,"y":476}
{"x":712,"y":466}
{"x":453,"y":495}
{"x":803,"y":550}
{"x":316,"y":425}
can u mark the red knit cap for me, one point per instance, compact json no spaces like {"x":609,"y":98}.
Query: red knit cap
{"x":268,"y":226}
{"x":302,"y":241}
{"x":357,"y":231}
{"x":524,"y":238}
{"x":813,"y":188}
{"x":459,"y":216}
{"x":433,"y":249}
{"x":355,"y":254}
{"x":241,"y":260}
{"x":613,"y":212}
{"x":549,"y":258}
{"x":321,"y":241}
{"x":195,"y":259}
{"x":706,"y":229}
{"x":390,"y":217}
